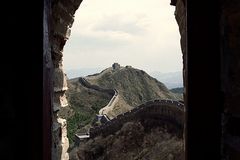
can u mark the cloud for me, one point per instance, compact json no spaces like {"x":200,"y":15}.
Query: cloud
{"x":142,"y":33}
{"x":121,"y":24}
{"x":94,"y":43}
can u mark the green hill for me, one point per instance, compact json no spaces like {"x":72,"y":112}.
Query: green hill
{"x":134,"y":87}
{"x":177,"y":90}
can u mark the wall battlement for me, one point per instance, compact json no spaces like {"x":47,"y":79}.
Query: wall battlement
{"x":112,"y":92}
{"x":163,"y":110}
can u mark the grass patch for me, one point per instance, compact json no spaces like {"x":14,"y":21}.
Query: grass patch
{"x":76,"y":120}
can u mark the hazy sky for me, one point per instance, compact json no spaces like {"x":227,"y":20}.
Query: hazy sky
{"x":140,"y":33}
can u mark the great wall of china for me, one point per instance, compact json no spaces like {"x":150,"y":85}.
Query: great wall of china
{"x":111,"y":103}
{"x":167,"y":111}
{"x":112,"y":92}
{"x":85,"y":83}
{"x":162,"y":110}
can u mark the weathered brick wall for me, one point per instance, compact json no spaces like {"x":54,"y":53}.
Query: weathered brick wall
{"x":180,"y":15}
{"x":230,"y":39}
{"x":47,"y":82}
{"x":230,"y":67}
{"x":62,"y":17}
{"x":230,"y":74}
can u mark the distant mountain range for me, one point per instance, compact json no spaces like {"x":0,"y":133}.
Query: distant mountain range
{"x":73,"y":73}
{"x":170,"y":79}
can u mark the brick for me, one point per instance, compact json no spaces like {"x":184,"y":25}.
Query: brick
{"x":60,"y":81}
{"x":61,"y":29}
{"x":59,"y":101}
{"x":60,"y":11}
{"x":69,"y":6}
{"x":56,"y":55}
{"x":77,"y":3}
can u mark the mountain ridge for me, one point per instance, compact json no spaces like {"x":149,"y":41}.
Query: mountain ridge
{"x":134,"y":86}
{"x":170,"y":79}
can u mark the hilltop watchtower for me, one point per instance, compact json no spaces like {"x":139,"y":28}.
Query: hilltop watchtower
{"x":116,"y":66}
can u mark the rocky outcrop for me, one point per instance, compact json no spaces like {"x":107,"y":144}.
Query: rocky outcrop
{"x":134,"y":141}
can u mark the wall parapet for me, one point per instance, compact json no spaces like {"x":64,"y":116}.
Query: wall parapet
{"x":112,"y":92}
{"x":165,"y":110}
{"x":85,"y":83}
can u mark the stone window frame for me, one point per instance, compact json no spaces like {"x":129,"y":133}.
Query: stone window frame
{"x":58,"y":32}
